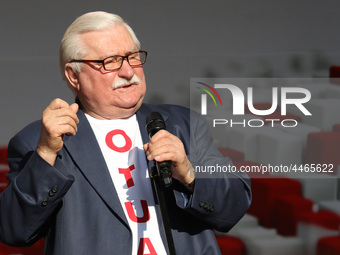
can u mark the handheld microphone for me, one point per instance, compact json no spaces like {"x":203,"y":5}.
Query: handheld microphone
{"x":154,"y":123}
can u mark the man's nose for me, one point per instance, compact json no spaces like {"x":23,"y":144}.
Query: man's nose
{"x":126,"y":71}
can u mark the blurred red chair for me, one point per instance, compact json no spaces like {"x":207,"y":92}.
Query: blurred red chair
{"x":313,"y":226}
{"x":35,"y":249}
{"x":230,"y":245}
{"x":236,"y":156}
{"x":323,"y":148}
{"x":329,"y":245}
{"x":336,"y":127}
{"x":287,"y":209}
{"x":266,"y":192}
{"x":3,"y":155}
{"x":322,"y":218}
{"x":334,"y":74}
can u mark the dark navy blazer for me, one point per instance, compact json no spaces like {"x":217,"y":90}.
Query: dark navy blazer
{"x":75,"y":207}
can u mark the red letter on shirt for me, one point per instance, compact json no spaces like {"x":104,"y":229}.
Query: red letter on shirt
{"x":110,"y":144}
{"x":132,"y":215}
{"x":127,"y":175}
{"x":146,"y":242}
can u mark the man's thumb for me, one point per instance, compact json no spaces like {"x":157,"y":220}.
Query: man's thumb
{"x":74,"y":107}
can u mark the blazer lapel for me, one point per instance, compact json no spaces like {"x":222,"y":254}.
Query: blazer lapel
{"x":85,"y":151}
{"x":141,"y":117}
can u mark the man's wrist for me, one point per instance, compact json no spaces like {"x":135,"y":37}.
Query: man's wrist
{"x":190,"y":182}
{"x":49,"y":157}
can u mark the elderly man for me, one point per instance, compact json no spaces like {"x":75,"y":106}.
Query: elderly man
{"x":80,"y":176}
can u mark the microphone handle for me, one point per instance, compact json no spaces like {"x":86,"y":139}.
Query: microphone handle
{"x":164,"y":172}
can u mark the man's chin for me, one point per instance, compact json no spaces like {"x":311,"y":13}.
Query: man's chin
{"x":133,"y":107}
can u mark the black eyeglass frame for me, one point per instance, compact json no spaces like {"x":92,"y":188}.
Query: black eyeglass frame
{"x":121,"y":63}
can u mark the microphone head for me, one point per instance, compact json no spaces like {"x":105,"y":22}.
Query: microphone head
{"x":154,"y":123}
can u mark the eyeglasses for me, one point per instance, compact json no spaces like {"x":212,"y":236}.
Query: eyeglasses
{"x":112,"y":63}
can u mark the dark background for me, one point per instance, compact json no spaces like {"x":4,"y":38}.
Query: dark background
{"x":184,"y":39}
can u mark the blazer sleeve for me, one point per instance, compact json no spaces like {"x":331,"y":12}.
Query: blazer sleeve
{"x":34,"y":192}
{"x":220,"y":199}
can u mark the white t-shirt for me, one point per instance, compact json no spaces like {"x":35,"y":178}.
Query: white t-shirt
{"x":122,"y":147}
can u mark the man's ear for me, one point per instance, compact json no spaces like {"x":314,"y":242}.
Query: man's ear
{"x":71,"y":76}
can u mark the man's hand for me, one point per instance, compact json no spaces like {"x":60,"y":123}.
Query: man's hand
{"x":58,"y":119}
{"x":164,"y":146}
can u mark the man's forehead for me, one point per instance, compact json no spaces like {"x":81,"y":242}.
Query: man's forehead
{"x":114,"y":40}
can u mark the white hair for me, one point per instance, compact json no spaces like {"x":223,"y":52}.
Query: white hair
{"x":72,"y":47}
